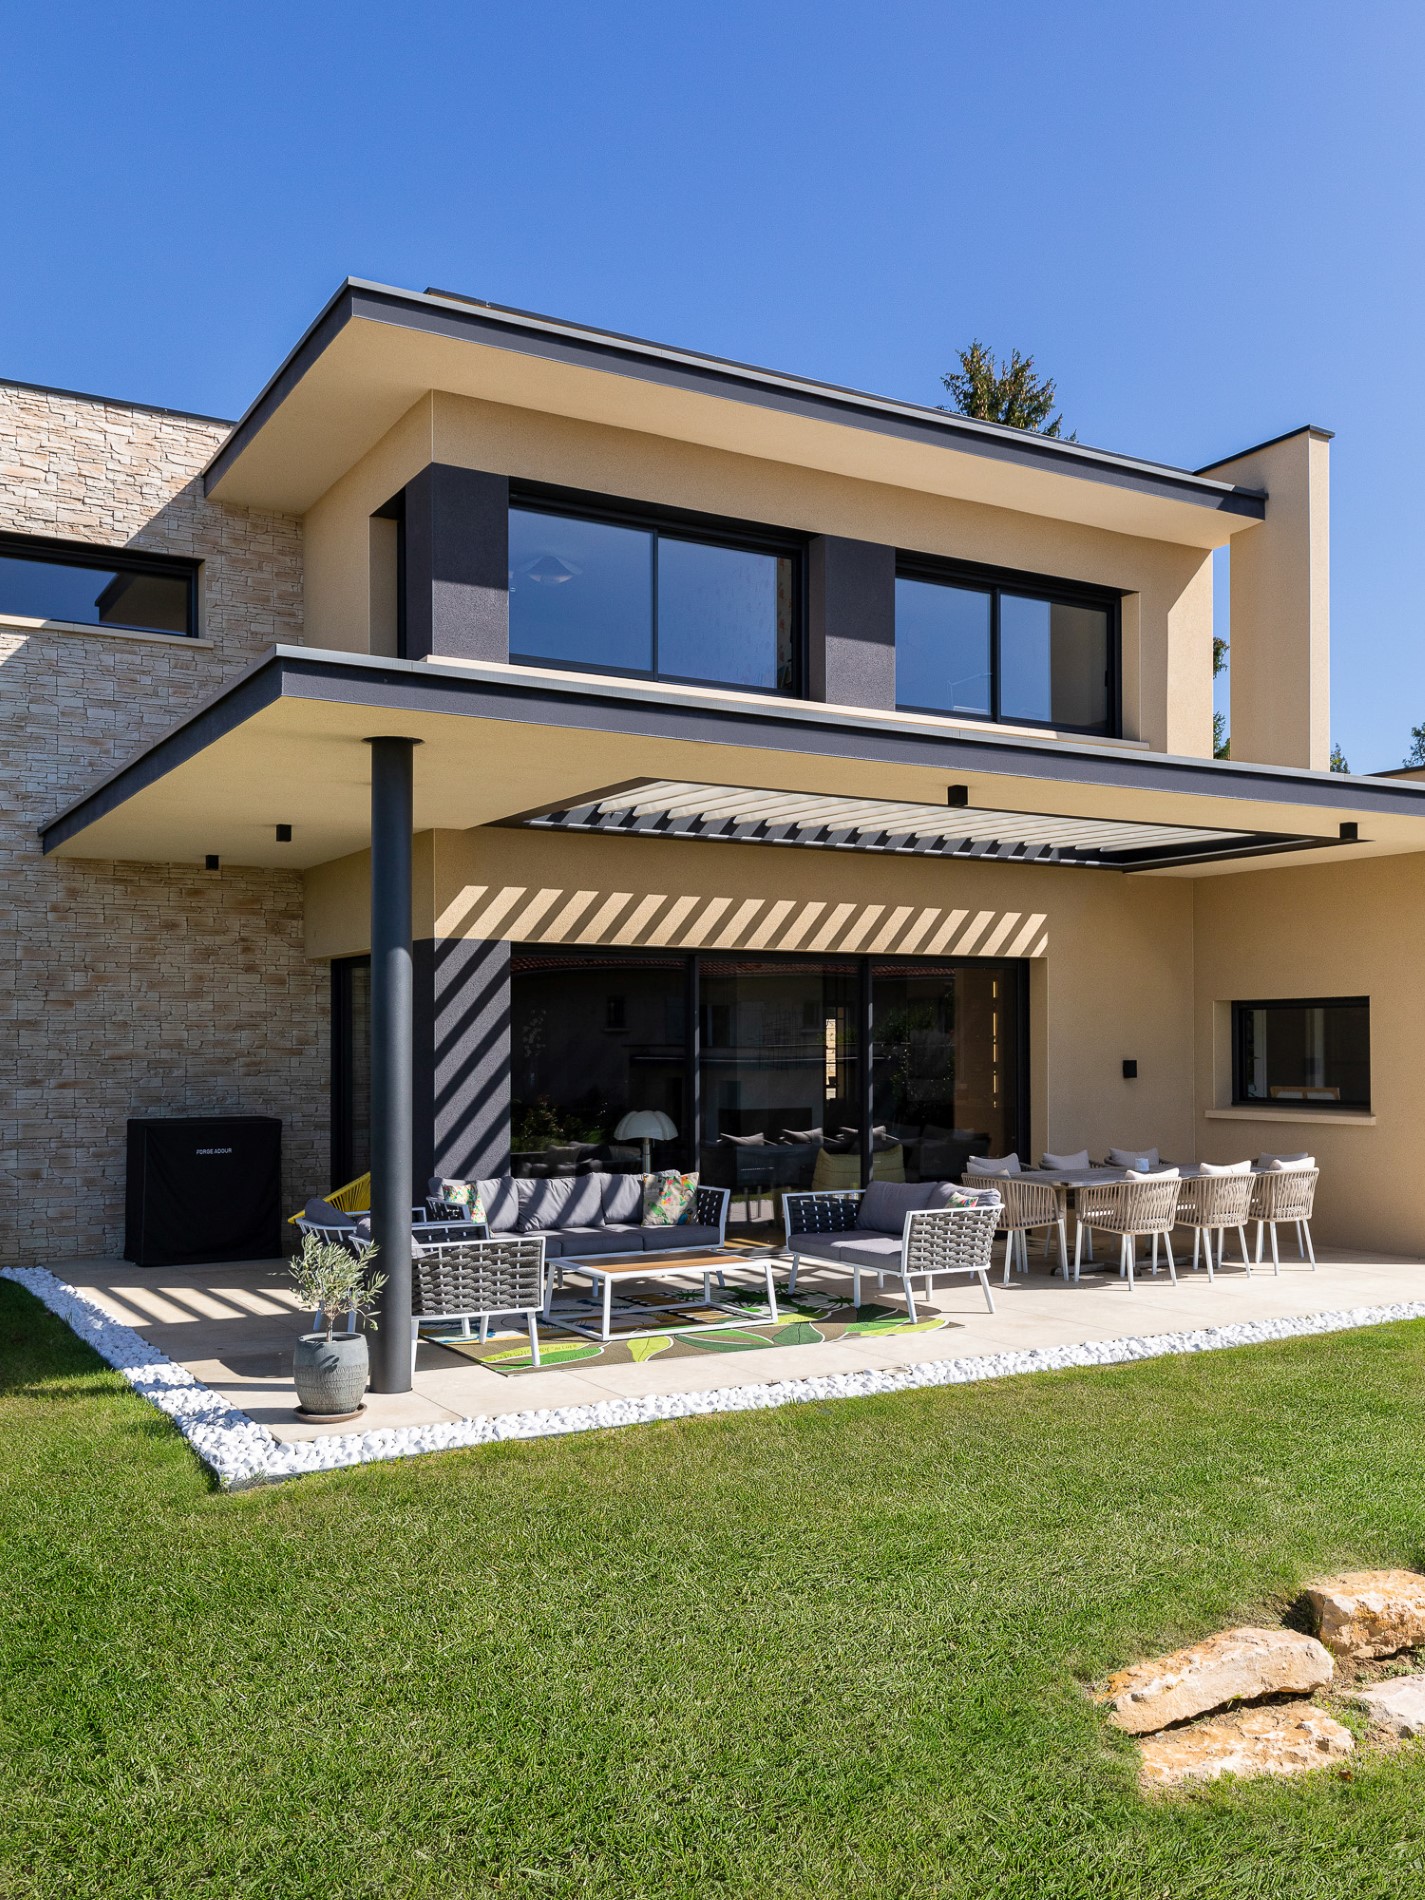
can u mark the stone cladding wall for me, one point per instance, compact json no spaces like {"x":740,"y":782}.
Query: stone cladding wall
{"x":135,"y":989}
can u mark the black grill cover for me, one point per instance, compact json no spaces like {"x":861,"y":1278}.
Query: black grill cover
{"x":203,"y":1189}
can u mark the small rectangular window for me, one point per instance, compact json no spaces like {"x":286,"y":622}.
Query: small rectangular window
{"x":93,"y":587}
{"x":1304,"y":1053}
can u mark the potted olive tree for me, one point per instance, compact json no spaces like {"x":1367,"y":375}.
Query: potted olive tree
{"x":330,"y":1369}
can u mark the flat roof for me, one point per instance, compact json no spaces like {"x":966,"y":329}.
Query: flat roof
{"x":375,"y":349}
{"x":284,"y":745}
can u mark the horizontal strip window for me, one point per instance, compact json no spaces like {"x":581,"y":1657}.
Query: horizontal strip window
{"x":1302,"y":1052}
{"x":1007,"y":648}
{"x":611,"y":588}
{"x":97,"y":587}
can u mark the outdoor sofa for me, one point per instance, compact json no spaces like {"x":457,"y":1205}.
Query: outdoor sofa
{"x":584,"y":1215}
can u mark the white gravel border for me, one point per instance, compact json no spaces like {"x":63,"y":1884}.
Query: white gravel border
{"x":241,"y":1452}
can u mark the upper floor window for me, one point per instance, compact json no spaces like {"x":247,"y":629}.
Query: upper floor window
{"x":999,"y":650}
{"x":617,"y":593}
{"x":1303,"y":1051}
{"x":97,"y":587}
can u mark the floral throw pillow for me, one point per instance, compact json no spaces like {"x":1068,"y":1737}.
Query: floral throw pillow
{"x":464,"y":1194}
{"x":668,"y":1199}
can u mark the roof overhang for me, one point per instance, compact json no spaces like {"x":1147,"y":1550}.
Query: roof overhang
{"x":284,"y":745}
{"x":375,"y":351}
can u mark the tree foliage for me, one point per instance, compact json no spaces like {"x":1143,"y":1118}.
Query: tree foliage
{"x":1416,"y":754}
{"x":1338,"y":759}
{"x":1007,"y":391}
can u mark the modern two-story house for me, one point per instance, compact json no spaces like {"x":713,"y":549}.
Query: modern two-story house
{"x":508,"y":725}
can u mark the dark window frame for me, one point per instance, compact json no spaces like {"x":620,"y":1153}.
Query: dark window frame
{"x":48,"y":551}
{"x":997,"y":581}
{"x":680,"y":524}
{"x":1240,"y":1098}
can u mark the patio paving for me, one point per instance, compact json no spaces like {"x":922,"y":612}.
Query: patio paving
{"x":232,"y":1327}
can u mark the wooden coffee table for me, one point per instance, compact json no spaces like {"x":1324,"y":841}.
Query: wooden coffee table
{"x":605,"y":1271}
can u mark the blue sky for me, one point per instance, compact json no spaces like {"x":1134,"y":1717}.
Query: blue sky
{"x":1204,"y":220}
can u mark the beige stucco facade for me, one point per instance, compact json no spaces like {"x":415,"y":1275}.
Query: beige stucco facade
{"x":140,"y":983}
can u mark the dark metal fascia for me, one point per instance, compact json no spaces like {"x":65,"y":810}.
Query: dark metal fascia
{"x":562,"y":342}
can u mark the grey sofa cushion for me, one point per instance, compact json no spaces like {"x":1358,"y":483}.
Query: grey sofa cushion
{"x":584,"y":1204}
{"x":323,"y":1214}
{"x":577,"y":1241}
{"x":878,"y":1251}
{"x":623,"y":1197}
{"x":885,"y":1204}
{"x":662,"y":1239}
{"x":825,"y":1245}
{"x":976,"y":1196}
{"x":500,"y":1202}
{"x":542,"y":1202}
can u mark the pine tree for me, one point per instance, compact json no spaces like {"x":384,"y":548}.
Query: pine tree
{"x":1007,"y":392}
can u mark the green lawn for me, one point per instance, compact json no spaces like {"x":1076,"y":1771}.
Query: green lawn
{"x":833,"y":1649}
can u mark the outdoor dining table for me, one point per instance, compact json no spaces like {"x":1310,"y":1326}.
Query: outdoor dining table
{"x":1070,"y":1180}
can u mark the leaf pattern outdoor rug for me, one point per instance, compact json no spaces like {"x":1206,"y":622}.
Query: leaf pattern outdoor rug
{"x":690,"y":1330}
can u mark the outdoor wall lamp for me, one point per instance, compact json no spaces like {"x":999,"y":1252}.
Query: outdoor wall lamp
{"x":284,"y":834}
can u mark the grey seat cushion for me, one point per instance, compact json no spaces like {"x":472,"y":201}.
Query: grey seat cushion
{"x":576,"y":1241}
{"x":825,"y":1245}
{"x":661,"y":1239}
{"x":879,"y":1251}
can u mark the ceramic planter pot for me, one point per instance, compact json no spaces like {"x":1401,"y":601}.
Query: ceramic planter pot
{"x":330,"y":1374}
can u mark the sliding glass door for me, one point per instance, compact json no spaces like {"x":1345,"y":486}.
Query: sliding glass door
{"x":946,"y":1054}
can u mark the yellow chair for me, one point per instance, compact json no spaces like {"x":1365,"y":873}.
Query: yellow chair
{"x":354,"y":1198}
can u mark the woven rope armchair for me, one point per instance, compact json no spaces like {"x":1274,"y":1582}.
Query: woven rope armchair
{"x":1134,"y":1210}
{"x":477,"y":1279}
{"x":1209,"y":1204}
{"x":937,"y":1241}
{"x":1027,"y":1206}
{"x":1285,"y":1194}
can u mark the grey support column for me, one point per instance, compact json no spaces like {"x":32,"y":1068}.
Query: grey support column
{"x":391,"y":1006}
{"x":851,"y":622}
{"x":457,"y":542}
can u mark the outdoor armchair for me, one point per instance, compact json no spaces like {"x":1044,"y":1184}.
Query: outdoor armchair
{"x":1209,"y":1204}
{"x":1286,"y":1194}
{"x":1132,"y":1210}
{"x":1026,"y":1207}
{"x":478,"y":1280}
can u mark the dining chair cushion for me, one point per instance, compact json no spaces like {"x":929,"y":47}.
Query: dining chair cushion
{"x":1153,"y":1174}
{"x":1143,"y":1159}
{"x":1080,"y":1160}
{"x":992,"y":1164}
{"x":1279,"y":1164}
{"x":1225,"y":1167}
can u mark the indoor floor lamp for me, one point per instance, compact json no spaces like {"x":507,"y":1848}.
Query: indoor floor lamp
{"x":646,"y":1125}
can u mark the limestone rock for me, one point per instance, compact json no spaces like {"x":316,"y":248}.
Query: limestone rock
{"x":1234,"y":1666}
{"x":1369,"y":1613}
{"x":1286,"y":1739}
{"x":1397,"y":1706}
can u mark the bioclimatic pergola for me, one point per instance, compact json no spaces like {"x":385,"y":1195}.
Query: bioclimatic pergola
{"x":739,"y":814}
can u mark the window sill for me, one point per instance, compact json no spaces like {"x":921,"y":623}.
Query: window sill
{"x":1354,"y":1117}
{"x":23,"y":623}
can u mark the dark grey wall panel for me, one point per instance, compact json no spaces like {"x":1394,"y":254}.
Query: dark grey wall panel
{"x":462,"y":1059}
{"x":851,"y":622}
{"x":457,"y":564}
